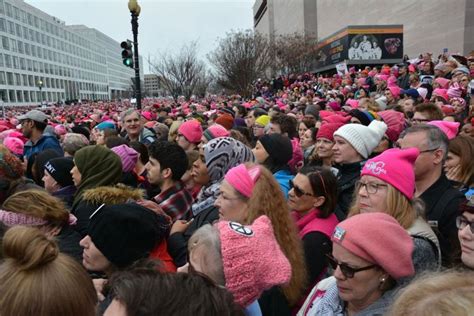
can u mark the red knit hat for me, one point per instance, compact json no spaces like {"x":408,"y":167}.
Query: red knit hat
{"x":327,"y":130}
{"x":379,"y":239}
{"x":225,"y":120}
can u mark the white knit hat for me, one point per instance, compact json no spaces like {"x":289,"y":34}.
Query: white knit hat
{"x":364,"y":139}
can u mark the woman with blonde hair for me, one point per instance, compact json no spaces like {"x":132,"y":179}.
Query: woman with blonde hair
{"x":387,"y":185}
{"x":250,"y":191}
{"x":47,"y":213}
{"x":446,"y":293}
{"x":36,"y":279}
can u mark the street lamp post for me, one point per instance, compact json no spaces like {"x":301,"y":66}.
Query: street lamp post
{"x":135,"y":11}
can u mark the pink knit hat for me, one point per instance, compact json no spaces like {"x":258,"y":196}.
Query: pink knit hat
{"x":243,"y":179}
{"x":396,"y":167}
{"x":379,"y":239}
{"x":353,"y":103}
{"x":215,"y":131}
{"x":454,"y":91}
{"x":14,"y":145}
{"x":60,"y":130}
{"x":443,"y":93}
{"x":395,"y":91}
{"x":128,"y":156}
{"x":443,"y":82}
{"x":448,"y":128}
{"x":191,"y":130}
{"x":252,"y":258}
{"x":395,"y":121}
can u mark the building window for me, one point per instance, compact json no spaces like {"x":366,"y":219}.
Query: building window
{"x":5,"y":43}
{"x":8,"y":61}
{"x":2,"y":77}
{"x":10,"y":79}
{"x":11,"y":95}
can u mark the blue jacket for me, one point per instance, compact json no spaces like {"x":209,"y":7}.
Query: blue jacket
{"x":46,"y":141}
{"x":283,"y":178}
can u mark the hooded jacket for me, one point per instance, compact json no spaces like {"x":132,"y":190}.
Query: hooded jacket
{"x":46,"y":141}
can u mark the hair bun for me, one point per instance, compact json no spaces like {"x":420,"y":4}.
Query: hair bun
{"x":28,"y":247}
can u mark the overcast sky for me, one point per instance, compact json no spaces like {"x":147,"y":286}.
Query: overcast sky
{"x":164,"y":25}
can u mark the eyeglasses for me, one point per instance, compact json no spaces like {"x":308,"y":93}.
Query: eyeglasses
{"x":297,"y":190}
{"x":370,"y":187}
{"x":418,"y":121}
{"x":346,"y":270}
{"x":462,"y":222}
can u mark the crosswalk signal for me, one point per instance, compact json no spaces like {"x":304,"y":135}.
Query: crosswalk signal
{"x":127,"y":53}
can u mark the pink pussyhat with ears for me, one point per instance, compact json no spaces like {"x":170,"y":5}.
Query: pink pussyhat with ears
{"x":448,"y":128}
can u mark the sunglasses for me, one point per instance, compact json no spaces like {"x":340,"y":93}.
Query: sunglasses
{"x":297,"y":190}
{"x":346,"y":270}
{"x":462,"y":222}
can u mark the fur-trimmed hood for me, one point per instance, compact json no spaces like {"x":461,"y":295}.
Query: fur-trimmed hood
{"x":117,"y":194}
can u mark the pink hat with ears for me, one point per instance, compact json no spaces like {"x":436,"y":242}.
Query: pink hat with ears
{"x":448,"y":128}
{"x":395,"y":90}
{"x":353,"y":103}
{"x":443,"y":93}
{"x":443,"y":82}
{"x":391,"y":81}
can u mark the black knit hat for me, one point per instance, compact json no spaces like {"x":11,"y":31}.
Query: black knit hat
{"x":125,"y":233}
{"x":361,"y":116}
{"x":60,"y":170}
{"x":278,"y":147}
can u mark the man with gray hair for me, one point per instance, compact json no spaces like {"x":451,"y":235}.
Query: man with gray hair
{"x":441,"y":199}
{"x":134,"y":128}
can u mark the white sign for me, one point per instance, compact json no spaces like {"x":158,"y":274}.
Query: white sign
{"x":342,"y":69}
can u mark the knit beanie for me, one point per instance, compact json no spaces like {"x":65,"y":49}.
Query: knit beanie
{"x":225,"y":120}
{"x":396,"y":167}
{"x":448,"y":128}
{"x":443,"y":93}
{"x":395,"y":123}
{"x":14,"y":144}
{"x":395,"y":91}
{"x":312,"y":110}
{"x":278,"y":147}
{"x":243,"y":179}
{"x":11,"y":167}
{"x":215,"y":131}
{"x":423,"y":92}
{"x":105,"y":125}
{"x":327,"y":131}
{"x":252,"y":259}
{"x":381,"y":102}
{"x":191,"y":130}
{"x":335,"y":106}
{"x":128,"y":156}
{"x":60,"y":169}
{"x":379,"y":239}
{"x":263,"y":120}
{"x":364,"y":139}
{"x":352,"y":103}
{"x":455,"y":91}
{"x":363,"y":116}
{"x":125,"y":233}
{"x":443,"y":82}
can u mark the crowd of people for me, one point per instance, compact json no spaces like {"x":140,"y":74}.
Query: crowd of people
{"x":322,"y":195}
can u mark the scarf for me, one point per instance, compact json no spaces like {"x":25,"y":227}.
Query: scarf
{"x":99,"y":166}
{"x":221,"y":154}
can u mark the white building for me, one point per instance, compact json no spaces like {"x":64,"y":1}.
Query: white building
{"x":72,"y":62}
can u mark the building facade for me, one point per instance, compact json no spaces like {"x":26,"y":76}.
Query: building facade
{"x":44,"y":60}
{"x":152,"y":85}
{"x":429,"y":25}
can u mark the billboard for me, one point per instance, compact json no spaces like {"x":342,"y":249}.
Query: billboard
{"x":368,"y":44}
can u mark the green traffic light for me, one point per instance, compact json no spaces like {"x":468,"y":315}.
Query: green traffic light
{"x":128,"y":62}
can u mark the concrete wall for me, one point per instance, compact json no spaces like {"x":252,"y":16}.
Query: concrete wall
{"x":289,"y":16}
{"x":429,"y":25}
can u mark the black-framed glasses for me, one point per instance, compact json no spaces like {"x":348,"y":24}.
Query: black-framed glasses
{"x":298,"y":191}
{"x":370,"y":187}
{"x":346,"y":270}
{"x":462,"y":222}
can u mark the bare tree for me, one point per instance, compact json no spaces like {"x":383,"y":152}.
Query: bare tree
{"x":295,"y":53}
{"x":182,"y":73}
{"x":241,"y":58}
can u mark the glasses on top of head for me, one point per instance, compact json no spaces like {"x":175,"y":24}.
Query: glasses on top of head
{"x":462,"y":222}
{"x":346,"y":270}
{"x":370,"y":187}
{"x":297,"y":190}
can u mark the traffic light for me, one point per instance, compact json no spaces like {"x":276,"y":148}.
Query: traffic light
{"x":127,"y":53}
